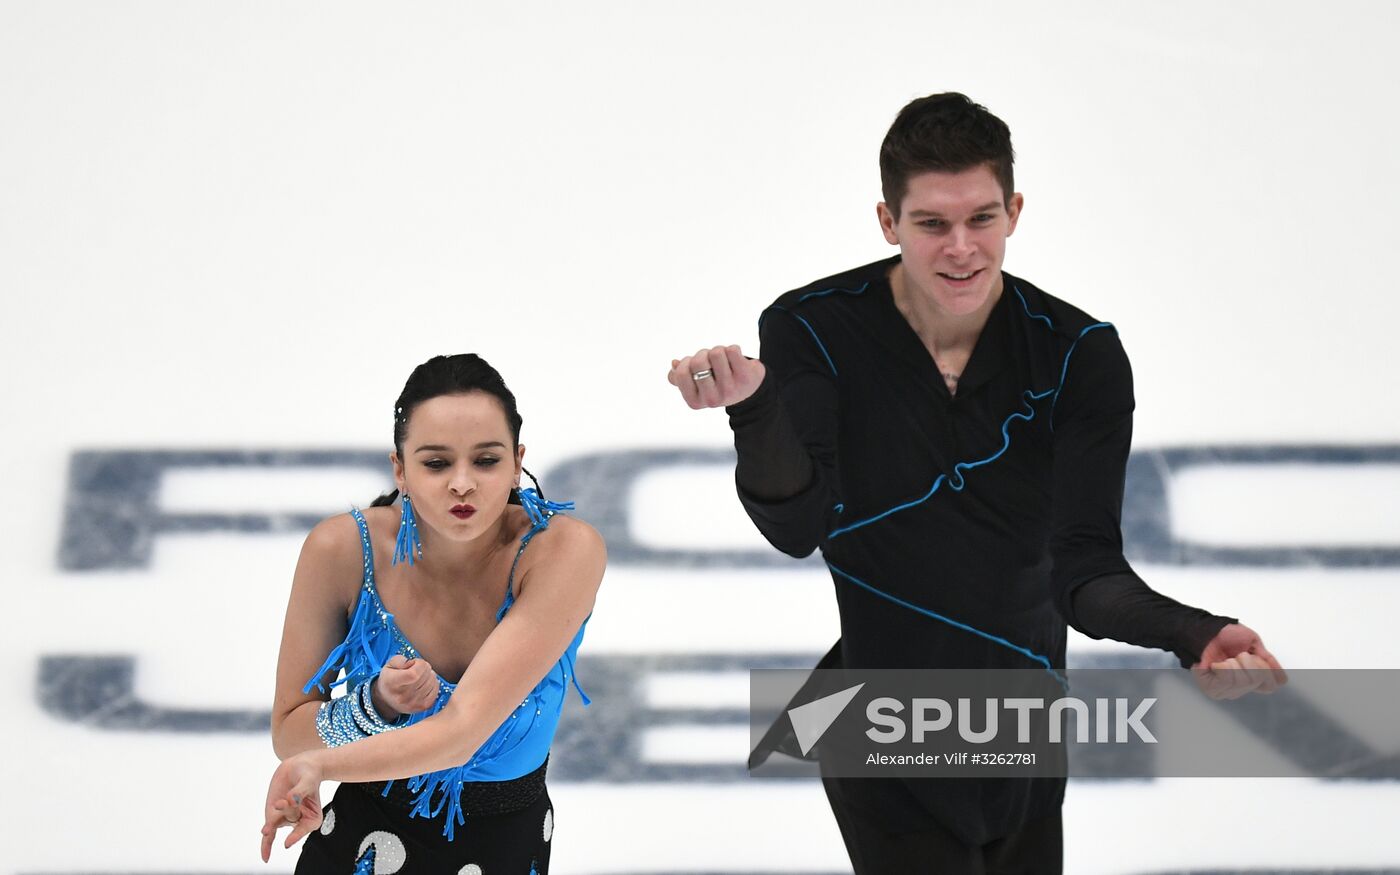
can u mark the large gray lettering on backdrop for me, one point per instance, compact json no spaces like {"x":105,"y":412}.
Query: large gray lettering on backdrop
{"x":112,"y":515}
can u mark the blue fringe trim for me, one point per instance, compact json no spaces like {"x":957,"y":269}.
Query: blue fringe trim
{"x":540,"y":509}
{"x":441,"y":792}
{"x":355,"y":655}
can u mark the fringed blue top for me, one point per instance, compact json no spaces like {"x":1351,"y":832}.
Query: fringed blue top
{"x":517,"y":747}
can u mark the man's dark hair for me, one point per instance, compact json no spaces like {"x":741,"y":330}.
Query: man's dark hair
{"x":947,"y":133}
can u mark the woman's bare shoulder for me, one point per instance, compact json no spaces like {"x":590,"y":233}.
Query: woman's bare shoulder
{"x":332,"y":551}
{"x":383,"y":520}
{"x":571,"y":542}
{"x":572,"y":533}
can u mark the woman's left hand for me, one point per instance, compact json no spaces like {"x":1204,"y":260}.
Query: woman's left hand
{"x":293,"y":799}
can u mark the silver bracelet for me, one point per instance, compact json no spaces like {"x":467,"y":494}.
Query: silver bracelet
{"x":366,"y":715}
{"x":352,"y":717}
{"x":335,"y":722}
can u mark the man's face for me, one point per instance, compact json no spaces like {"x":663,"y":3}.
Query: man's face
{"x":952,"y":231}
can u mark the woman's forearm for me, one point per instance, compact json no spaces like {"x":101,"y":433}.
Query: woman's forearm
{"x":439,"y":742}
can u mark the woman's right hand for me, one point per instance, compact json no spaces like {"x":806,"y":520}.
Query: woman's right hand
{"x":293,"y":799}
{"x":732,"y":377}
{"x":404,"y":686}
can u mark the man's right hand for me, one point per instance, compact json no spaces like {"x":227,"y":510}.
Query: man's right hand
{"x":731,"y":378}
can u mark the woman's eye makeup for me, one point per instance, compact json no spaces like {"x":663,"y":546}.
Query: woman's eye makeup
{"x":439,"y":464}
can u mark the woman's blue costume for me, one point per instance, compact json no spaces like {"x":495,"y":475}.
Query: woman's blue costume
{"x":501,"y":786}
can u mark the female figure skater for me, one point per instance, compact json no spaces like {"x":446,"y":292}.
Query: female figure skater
{"x":456,"y":644}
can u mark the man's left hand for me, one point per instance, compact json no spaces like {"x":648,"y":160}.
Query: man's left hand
{"x":1236,"y":662}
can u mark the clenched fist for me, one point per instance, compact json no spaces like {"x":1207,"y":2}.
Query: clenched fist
{"x":716,"y":377}
{"x":1236,"y":662}
{"x":404,"y":686}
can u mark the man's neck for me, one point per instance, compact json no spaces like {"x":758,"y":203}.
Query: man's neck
{"x":939,"y":330}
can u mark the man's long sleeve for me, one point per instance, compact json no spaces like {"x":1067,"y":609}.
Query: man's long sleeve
{"x":1095,"y":589}
{"x":785,"y":437}
{"x":1122,"y":607}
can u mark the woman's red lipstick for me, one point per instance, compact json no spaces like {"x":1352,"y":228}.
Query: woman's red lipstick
{"x":462,"y":511}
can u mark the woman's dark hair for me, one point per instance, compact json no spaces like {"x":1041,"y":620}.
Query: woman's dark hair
{"x":451,"y":375}
{"x":946,"y":133}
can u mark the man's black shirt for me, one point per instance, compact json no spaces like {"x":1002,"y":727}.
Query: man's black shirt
{"x":996,"y":509}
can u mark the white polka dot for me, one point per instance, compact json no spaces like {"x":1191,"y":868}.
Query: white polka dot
{"x":389,"y":852}
{"x":548,"y":824}
{"x":328,"y":823}
{"x":469,"y":869}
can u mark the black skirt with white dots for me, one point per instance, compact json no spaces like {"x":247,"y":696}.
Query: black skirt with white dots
{"x":508,"y":829}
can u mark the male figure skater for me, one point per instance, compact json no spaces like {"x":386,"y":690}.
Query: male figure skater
{"x":954,"y":440}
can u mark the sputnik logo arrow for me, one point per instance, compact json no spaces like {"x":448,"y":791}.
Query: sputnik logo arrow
{"x":811,"y":721}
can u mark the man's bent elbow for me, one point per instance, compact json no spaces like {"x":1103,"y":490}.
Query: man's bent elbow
{"x":797,"y":548}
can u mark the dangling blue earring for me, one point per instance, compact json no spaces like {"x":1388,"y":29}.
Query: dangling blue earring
{"x":407,"y":544}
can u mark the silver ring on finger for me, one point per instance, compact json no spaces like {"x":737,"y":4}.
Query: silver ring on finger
{"x":706,"y":374}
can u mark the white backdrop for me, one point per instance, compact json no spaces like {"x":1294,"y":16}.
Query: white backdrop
{"x":240,"y":225}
